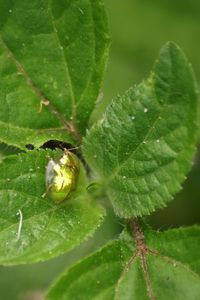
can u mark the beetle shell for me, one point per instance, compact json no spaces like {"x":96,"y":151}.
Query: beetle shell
{"x":61,"y":176}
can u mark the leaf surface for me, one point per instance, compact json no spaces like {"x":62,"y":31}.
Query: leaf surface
{"x":143,"y":147}
{"x":95,"y":277}
{"x":173,"y":243}
{"x":55,"y":52}
{"x":48,"y":229}
{"x":119,"y":272}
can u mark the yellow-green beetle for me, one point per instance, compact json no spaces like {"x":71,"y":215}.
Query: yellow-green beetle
{"x":61,"y":176}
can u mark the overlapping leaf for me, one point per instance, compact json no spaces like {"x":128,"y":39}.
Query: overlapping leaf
{"x":117,"y":271}
{"x":143,"y":146}
{"x":47,"y":229}
{"x":55,"y":52}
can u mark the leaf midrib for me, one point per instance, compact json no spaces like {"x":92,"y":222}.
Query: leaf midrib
{"x":151,"y":128}
{"x":154,"y":253}
{"x":34,"y":88}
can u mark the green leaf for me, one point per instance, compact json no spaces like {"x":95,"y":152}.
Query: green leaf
{"x":143,"y":146}
{"x":173,"y":243}
{"x":54,"y":51}
{"x":132,"y":284}
{"x":121,"y":271}
{"x":48,"y":229}
{"x":95,"y":277}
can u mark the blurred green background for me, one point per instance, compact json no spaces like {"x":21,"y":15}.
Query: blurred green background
{"x":138,"y":30}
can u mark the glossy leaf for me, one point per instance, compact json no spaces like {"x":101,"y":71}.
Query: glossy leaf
{"x":117,"y":271}
{"x":143,"y":147}
{"x":50,"y":51}
{"x":48,"y":229}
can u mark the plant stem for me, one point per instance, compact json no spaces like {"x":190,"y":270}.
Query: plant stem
{"x":142,"y":251}
{"x":138,"y":236}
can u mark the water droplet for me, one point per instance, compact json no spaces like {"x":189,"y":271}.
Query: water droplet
{"x":144,"y":142}
{"x":132,"y":117}
{"x":95,"y":156}
{"x":145,"y":110}
{"x":158,"y":141}
{"x":8,"y":179}
{"x":10,"y":11}
{"x":124,"y":177}
{"x":31,"y":170}
{"x":174,"y":264}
